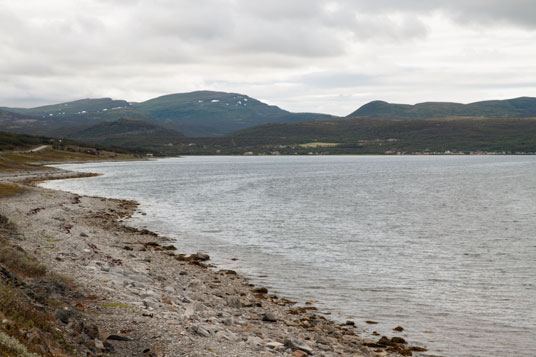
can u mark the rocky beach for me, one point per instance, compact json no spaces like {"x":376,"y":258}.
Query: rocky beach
{"x":105,"y":288}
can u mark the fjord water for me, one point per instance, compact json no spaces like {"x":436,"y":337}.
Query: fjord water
{"x":444,"y":246}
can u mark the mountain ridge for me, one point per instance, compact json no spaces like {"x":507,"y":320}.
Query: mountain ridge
{"x":521,"y":107}
{"x":199,"y":113}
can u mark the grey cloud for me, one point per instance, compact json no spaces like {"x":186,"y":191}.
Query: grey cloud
{"x":139,"y":48}
{"x":519,"y":12}
{"x":337,"y":80}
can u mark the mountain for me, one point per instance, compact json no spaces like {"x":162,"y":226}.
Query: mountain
{"x":201,"y":113}
{"x":524,"y":107}
{"x":207,"y":113}
{"x":123,"y":133}
{"x":77,"y":107}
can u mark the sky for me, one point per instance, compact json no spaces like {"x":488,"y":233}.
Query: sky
{"x":302,"y":55}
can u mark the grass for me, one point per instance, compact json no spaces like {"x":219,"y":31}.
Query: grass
{"x":8,"y":189}
{"x":26,"y":306}
{"x":117,"y":305}
{"x":16,"y":160}
{"x":318,"y":145}
{"x":10,"y":346}
{"x":18,"y":261}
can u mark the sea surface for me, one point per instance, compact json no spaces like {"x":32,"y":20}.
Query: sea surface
{"x":444,"y":246}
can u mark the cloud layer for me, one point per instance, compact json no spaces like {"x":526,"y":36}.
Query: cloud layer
{"x":311,"y":55}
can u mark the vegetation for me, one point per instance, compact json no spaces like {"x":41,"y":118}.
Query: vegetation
{"x":77,"y":107}
{"x":155,"y":127}
{"x":206,"y":113}
{"x":24,"y":304}
{"x":201,"y":113}
{"x":371,"y":136}
{"x":16,"y":153}
{"x":523,"y":107}
{"x":8,"y":189}
{"x":125,"y":133}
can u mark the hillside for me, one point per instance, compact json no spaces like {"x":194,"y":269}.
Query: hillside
{"x":77,"y":107}
{"x":206,"y":113}
{"x":365,"y":135}
{"x":10,"y":141}
{"x":201,"y":113}
{"x":524,"y":107}
{"x":124,"y":133}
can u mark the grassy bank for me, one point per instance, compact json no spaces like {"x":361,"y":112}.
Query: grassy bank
{"x":27,"y":307}
{"x":14,"y":160}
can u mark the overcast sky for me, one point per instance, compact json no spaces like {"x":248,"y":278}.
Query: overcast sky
{"x":302,"y":55}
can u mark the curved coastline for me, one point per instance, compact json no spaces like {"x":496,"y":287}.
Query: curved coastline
{"x":230,"y":313}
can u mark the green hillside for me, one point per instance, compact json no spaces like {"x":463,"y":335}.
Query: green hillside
{"x":11,"y":141}
{"x":206,"y":113}
{"x":364,"y":135}
{"x":77,"y":107}
{"x":202,"y":113}
{"x":524,"y":107}
{"x":124,"y":133}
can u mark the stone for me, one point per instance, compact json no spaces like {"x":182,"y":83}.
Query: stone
{"x":234,"y":302}
{"x":150,"y":303}
{"x":384,"y":341}
{"x":398,"y":340}
{"x":200,"y":331}
{"x":91,"y":330}
{"x":260,"y":290}
{"x":350,"y":323}
{"x":295,"y":345}
{"x":274,"y":345}
{"x":83,"y":234}
{"x":299,"y":353}
{"x":99,"y":344}
{"x":64,"y":315}
{"x":194,"y":283}
{"x":201,"y":257}
{"x":268,"y":317}
{"x":254,"y":341}
{"x":119,"y":338}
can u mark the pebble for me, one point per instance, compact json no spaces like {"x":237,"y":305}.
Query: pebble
{"x":268,"y":317}
{"x":295,"y":344}
{"x":200,"y":331}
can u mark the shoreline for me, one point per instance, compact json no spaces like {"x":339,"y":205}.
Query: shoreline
{"x":139,"y":287}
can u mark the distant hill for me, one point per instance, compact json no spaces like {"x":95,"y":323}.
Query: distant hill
{"x":202,"y":113}
{"x":524,"y":107}
{"x":77,"y":107}
{"x":369,"y":135}
{"x":124,"y":133}
{"x":11,"y":141}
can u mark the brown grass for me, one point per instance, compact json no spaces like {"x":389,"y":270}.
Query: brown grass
{"x":18,"y":261}
{"x":17,"y":160}
{"x":8,"y":189}
{"x":22,"y":306}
